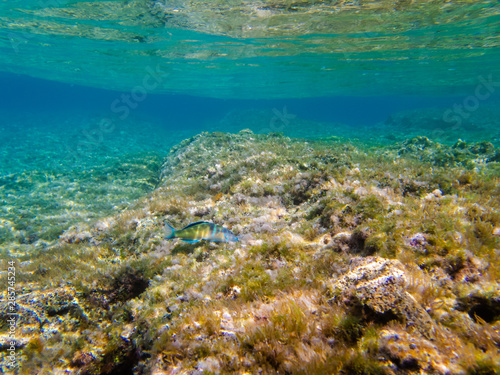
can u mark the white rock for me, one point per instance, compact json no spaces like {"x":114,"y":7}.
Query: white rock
{"x":346,"y":236}
{"x":438,"y":193}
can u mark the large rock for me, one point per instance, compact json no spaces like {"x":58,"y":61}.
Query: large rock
{"x":379,"y":284}
{"x":412,"y":353}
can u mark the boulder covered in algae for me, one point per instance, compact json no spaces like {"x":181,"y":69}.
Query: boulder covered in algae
{"x":380,"y":285}
{"x":353,"y":259}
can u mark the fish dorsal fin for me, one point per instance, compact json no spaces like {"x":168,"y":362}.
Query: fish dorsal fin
{"x":196,"y":223}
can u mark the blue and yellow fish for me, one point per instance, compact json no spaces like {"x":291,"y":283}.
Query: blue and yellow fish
{"x":200,"y":230}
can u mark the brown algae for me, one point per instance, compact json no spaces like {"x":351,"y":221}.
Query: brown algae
{"x":353,"y":258}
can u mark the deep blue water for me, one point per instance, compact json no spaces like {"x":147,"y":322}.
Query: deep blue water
{"x":29,"y":95}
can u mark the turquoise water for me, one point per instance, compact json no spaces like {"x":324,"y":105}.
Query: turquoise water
{"x":237,"y":49}
{"x":95,"y":94}
{"x":87,"y":86}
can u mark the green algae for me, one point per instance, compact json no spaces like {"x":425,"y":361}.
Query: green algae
{"x":484,"y":366}
{"x":263,"y":304}
{"x":48,"y":208}
{"x":360,"y":365}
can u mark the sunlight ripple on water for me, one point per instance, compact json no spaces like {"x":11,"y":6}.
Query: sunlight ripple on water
{"x":255,"y":50}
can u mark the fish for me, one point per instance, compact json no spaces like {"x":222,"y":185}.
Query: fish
{"x":200,"y":230}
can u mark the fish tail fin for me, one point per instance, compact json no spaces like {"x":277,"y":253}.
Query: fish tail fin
{"x":169,"y":231}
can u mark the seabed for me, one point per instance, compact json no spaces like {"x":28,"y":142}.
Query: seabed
{"x":370,"y":255}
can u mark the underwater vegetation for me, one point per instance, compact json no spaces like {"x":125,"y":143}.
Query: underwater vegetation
{"x":353,"y":258}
